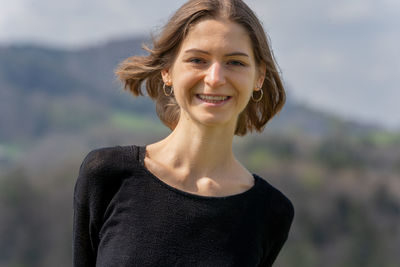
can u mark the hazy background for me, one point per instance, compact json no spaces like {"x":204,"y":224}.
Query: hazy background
{"x":342,"y":56}
{"x":334,"y":150}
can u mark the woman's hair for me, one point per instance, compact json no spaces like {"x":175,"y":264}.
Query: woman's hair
{"x":135,"y":70}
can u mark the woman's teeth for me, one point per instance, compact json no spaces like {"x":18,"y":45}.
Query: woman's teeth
{"x":212,"y":98}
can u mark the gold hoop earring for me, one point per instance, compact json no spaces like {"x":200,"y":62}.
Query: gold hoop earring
{"x":260,"y":97}
{"x":165,"y":90}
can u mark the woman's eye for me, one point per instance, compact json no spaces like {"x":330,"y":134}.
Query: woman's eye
{"x":196,"y":60}
{"x":236,"y":63}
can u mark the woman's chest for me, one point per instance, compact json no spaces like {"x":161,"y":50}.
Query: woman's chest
{"x":163,"y":231}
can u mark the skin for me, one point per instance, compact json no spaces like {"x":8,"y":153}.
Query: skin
{"x":215,"y":59}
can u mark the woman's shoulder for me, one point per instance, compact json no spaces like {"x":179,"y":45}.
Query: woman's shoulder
{"x":104,"y":168}
{"x":110,"y":160}
{"x":277,"y":202}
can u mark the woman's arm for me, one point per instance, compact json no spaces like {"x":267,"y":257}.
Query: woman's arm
{"x":100,"y":177}
{"x":84,"y":252}
{"x":273,"y":253}
{"x":283,"y":217}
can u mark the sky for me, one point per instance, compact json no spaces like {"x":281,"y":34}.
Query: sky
{"x":340,"y":56}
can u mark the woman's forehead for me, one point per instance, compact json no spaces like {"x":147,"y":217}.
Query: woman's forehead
{"x":217,"y":34}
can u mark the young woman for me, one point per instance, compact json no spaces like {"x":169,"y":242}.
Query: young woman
{"x":186,"y":200}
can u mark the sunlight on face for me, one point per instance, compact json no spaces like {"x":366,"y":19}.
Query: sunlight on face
{"x":214,"y":72}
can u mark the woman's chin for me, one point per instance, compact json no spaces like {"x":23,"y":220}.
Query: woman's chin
{"x":214,"y":121}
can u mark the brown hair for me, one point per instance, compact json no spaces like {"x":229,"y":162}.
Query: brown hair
{"x":135,"y":70}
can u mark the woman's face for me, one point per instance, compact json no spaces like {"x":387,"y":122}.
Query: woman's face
{"x":214,"y":73}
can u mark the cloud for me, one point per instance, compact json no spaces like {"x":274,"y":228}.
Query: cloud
{"x":77,"y":22}
{"x":342,"y":11}
{"x":338,"y":55}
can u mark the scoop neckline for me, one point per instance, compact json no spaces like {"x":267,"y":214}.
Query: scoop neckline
{"x":141,"y":156}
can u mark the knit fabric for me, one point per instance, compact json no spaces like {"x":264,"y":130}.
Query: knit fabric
{"x":126,"y":216}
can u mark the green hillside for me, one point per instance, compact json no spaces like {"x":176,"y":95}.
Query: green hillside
{"x":55,"y":106}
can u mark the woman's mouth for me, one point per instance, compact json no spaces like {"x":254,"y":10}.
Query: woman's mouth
{"x":214,"y":99}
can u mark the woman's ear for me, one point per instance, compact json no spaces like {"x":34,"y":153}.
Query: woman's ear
{"x":262,"y":68}
{"x":165,"y":74}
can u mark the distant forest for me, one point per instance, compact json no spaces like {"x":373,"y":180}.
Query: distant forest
{"x":55,"y":106}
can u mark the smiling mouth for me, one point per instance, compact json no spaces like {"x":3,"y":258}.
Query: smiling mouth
{"x":212,"y":98}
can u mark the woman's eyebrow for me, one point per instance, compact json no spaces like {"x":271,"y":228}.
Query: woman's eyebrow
{"x":237,"y":54}
{"x":195,"y":50}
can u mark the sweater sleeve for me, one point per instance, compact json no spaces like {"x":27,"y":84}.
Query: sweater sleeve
{"x":100,"y":177}
{"x":84,"y":252}
{"x":273,"y":253}
{"x":285,"y":213}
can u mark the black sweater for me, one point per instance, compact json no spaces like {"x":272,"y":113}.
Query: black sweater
{"x":125,"y":216}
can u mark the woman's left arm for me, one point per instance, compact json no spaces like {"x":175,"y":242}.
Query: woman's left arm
{"x":284,"y":214}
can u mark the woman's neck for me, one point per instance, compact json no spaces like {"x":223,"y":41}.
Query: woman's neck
{"x":196,"y":150}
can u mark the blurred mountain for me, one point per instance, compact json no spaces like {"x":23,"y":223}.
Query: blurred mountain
{"x":342,"y":176}
{"x":45,"y":90}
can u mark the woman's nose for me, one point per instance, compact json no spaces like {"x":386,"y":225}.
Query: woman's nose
{"x":215,"y":76}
